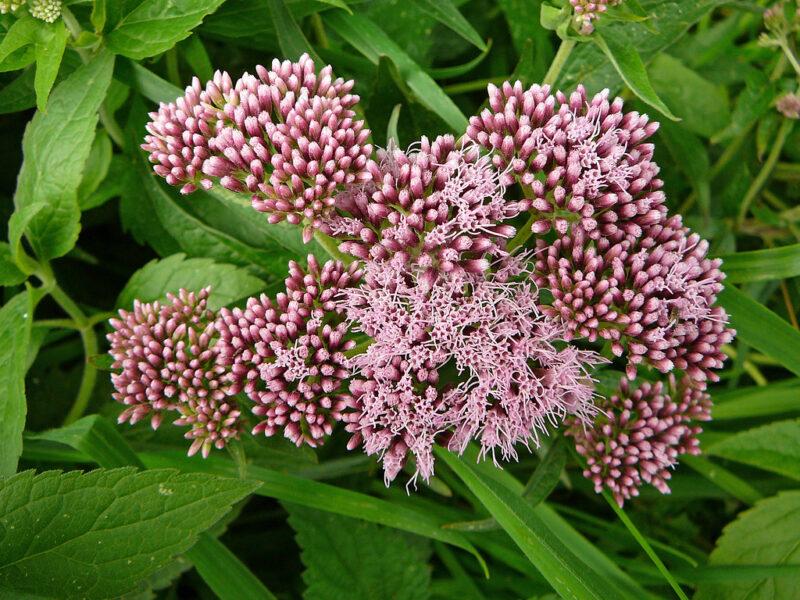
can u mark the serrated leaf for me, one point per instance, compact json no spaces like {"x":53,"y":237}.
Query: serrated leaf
{"x":56,"y":145}
{"x":152,"y":282}
{"x":366,"y":37}
{"x":774,"y":447}
{"x":764,"y":535}
{"x":155,"y":26}
{"x":762,"y":265}
{"x":95,"y":535}
{"x":447,"y":14}
{"x":629,"y":65}
{"x":765,"y":331}
{"x":348,"y":558}
{"x":48,"y":49}
{"x":15,"y":329}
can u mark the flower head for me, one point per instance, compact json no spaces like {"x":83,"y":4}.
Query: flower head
{"x":288,"y":354}
{"x":46,"y":10}
{"x":588,"y":11}
{"x":639,"y":435}
{"x":442,"y":204}
{"x":514,"y":377}
{"x":585,"y":163}
{"x":168,"y":362}
{"x":789,"y":106}
{"x":9,"y":6}
{"x":652,"y":297}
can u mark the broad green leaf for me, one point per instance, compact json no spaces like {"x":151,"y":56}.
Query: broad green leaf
{"x":447,"y":14}
{"x":291,"y":38}
{"x":98,"y":163}
{"x":758,"y":401}
{"x":764,"y":535}
{"x":9,"y":272}
{"x":366,"y":37}
{"x":225,"y":574}
{"x":774,"y":447}
{"x":96,"y":438}
{"x":569,"y":575}
{"x":629,"y":65}
{"x":96,"y":534}
{"x":147,"y":83}
{"x":152,"y":282}
{"x":723,"y":479}
{"x":762,"y":265}
{"x":48,"y":49}
{"x":196,"y":55}
{"x":22,"y":33}
{"x":155,"y":26}
{"x":321,"y":496}
{"x":56,"y":145}
{"x":754,"y":101}
{"x":99,"y":14}
{"x":20,"y":95}
{"x":111,"y":187}
{"x":546,"y":476}
{"x":349,"y":558}
{"x":16,"y":317}
{"x":672,"y":19}
{"x":701,"y":105}
{"x":762,"y":329}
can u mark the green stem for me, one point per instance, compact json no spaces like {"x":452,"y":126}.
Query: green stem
{"x":766,"y":170}
{"x":57,"y":324}
{"x":319,"y":31}
{"x":645,"y":545}
{"x":90,"y":348}
{"x":560,"y":59}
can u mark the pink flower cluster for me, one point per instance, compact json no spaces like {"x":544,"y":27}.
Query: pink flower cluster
{"x":514,"y":379}
{"x":288,"y":136}
{"x":168,"y":363}
{"x":466,"y":337}
{"x":588,"y":11}
{"x":639,"y":435}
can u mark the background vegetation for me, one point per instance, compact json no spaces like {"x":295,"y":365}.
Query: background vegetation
{"x":100,"y":230}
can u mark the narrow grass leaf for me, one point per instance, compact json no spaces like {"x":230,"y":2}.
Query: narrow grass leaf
{"x":762,"y":329}
{"x":757,"y":401}
{"x":447,"y":14}
{"x":291,"y":38}
{"x":724,"y":479}
{"x":762,"y":265}
{"x":774,"y":447}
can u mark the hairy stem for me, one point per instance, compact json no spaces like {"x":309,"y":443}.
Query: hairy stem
{"x":560,"y":59}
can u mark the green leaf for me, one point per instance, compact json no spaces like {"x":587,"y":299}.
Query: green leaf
{"x":155,"y":26}
{"x":99,"y":162}
{"x":723,"y":479}
{"x":22,"y":33}
{"x":9,"y":272}
{"x":570,"y":576}
{"x":321,"y":496}
{"x":752,"y":104}
{"x":112,"y":186}
{"x":95,"y":535}
{"x":692,"y":157}
{"x":225,"y":574}
{"x":758,"y":401}
{"x":16,"y":317}
{"x":291,"y":38}
{"x":98,"y":16}
{"x":98,"y":439}
{"x":672,"y":19}
{"x":774,"y":447}
{"x":629,"y":65}
{"x":762,"y":329}
{"x":366,"y":37}
{"x":56,"y":145}
{"x":152,"y":282}
{"x":762,"y":265}
{"x":701,"y":105}
{"x":546,"y":476}
{"x":764,"y":535}
{"x":447,"y":14}
{"x":196,"y":55}
{"x":348,"y":558}
{"x":147,"y":83}
{"x":48,"y":49}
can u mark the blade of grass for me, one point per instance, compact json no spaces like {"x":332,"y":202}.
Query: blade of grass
{"x":724,"y":479}
{"x":762,"y":265}
{"x":225,"y":574}
{"x":447,"y":14}
{"x":759,"y":401}
{"x":291,"y":38}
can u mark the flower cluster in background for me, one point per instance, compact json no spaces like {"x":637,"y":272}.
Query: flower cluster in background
{"x":465,"y":335}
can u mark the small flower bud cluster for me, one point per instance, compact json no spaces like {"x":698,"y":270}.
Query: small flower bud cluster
{"x":287,"y":136}
{"x":168,"y":363}
{"x":789,"y":106}
{"x":9,"y":6}
{"x":45,"y":10}
{"x":639,"y":435}
{"x":514,"y":378}
{"x":441,"y":205}
{"x":588,"y":11}
{"x":585,"y":163}
{"x":287,"y":355}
